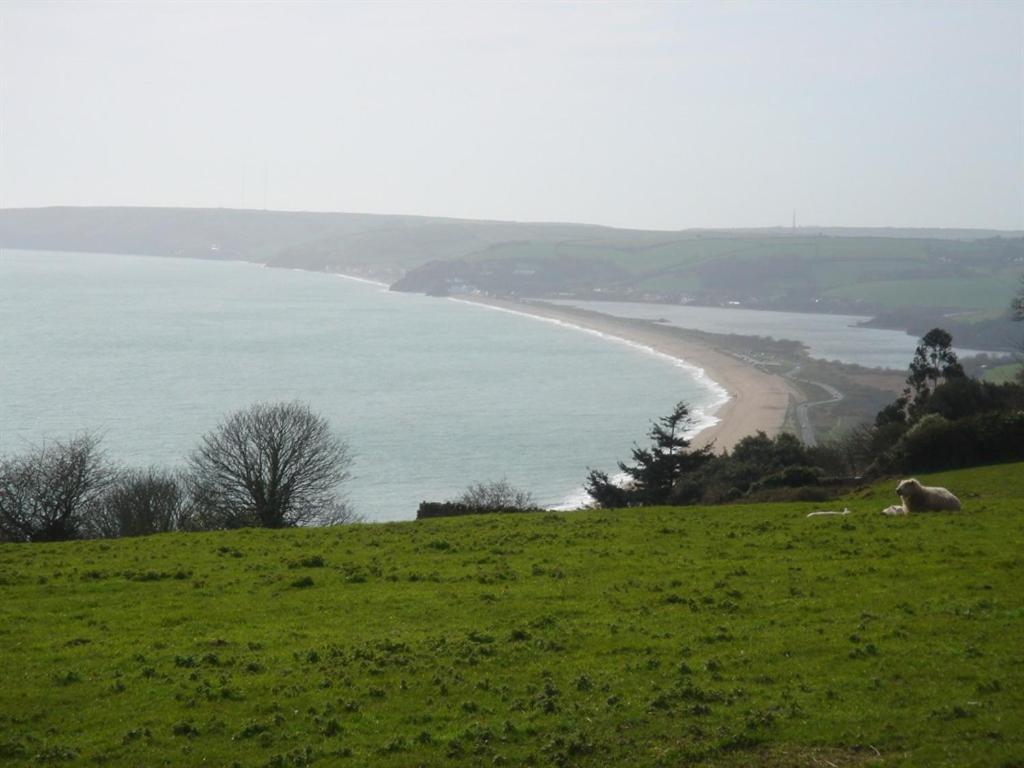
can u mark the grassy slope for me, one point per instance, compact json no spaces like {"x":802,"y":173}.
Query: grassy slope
{"x":884,"y":272}
{"x":723,"y":636}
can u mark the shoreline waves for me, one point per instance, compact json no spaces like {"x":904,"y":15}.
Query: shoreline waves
{"x":704,"y":416}
{"x":750,"y":400}
{"x":366,"y":280}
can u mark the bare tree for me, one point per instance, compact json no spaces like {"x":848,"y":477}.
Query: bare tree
{"x":49,"y":493}
{"x":141,"y":502}
{"x":272,"y":465}
{"x":496,"y":494}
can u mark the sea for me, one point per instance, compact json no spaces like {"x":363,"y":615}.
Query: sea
{"x":430,"y":394}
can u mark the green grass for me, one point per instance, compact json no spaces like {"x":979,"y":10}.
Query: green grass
{"x":989,"y":292}
{"x":664,"y":637}
{"x":883,"y":273}
{"x":1002,"y":374}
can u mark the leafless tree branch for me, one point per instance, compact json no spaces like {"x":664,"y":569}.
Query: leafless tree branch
{"x":272,"y":465}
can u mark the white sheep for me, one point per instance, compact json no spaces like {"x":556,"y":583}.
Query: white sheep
{"x":924,"y":498}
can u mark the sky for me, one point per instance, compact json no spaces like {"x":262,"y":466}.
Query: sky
{"x":657,"y":116}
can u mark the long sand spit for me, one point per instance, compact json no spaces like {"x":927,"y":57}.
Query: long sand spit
{"x":758,"y":401}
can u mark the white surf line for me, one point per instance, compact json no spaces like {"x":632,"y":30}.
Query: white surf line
{"x":366,"y":280}
{"x":704,"y":416}
{"x":578,"y":498}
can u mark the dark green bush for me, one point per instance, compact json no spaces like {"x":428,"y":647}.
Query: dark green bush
{"x":790,"y":477}
{"x":936,"y":443}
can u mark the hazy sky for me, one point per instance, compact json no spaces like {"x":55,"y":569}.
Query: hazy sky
{"x":663,"y":116}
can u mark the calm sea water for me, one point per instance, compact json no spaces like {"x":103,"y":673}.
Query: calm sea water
{"x":431,"y":394}
{"x":829,"y":337}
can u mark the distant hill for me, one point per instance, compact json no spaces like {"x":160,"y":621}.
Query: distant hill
{"x":913,"y":278}
{"x":370,"y":243}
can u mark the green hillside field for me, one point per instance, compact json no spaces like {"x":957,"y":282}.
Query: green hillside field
{"x":1001,"y":374}
{"x":725,"y":636}
{"x":882,"y":273}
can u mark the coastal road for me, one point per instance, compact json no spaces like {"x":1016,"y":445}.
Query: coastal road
{"x":806,"y":428}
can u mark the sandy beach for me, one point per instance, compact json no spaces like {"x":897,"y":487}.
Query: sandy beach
{"x":757,"y":400}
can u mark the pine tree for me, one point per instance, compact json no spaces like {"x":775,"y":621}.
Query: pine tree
{"x":655,"y":471}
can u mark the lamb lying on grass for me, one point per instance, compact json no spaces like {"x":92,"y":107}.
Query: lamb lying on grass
{"x":922,"y":498}
{"x":823,"y":512}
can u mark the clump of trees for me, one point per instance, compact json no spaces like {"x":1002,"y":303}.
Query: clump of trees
{"x":945,"y":419}
{"x":758,"y":468}
{"x":762,"y":468}
{"x":270,"y":465}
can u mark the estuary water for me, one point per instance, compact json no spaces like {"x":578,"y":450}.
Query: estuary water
{"x":828,"y":337}
{"x":431,"y":394}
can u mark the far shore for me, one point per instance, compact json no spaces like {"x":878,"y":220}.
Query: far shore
{"x":758,"y":401}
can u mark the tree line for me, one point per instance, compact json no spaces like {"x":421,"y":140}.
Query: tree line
{"x":272,"y":465}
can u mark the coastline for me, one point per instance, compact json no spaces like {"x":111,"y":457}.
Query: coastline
{"x":751,"y":400}
{"x":757,"y":401}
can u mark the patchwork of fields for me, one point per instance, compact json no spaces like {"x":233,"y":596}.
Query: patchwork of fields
{"x":860,"y":274}
{"x":662,"y":637}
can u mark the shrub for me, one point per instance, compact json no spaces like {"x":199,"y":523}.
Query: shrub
{"x":496,"y":495}
{"x":141,"y":502}
{"x":790,"y":477}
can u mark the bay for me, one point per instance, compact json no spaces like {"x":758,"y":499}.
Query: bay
{"x":431,"y":394}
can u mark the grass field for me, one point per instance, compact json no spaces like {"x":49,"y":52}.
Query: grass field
{"x":746,"y":635}
{"x":992,"y":292}
{"x":883,"y":273}
{"x":1001,"y":374}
